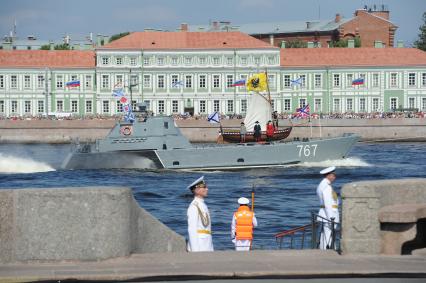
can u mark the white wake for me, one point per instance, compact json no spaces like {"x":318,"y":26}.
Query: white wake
{"x":347,"y":162}
{"x":13,"y":164}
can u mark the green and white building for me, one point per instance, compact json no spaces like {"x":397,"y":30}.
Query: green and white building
{"x":178,"y":72}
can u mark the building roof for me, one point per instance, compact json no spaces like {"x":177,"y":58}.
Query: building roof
{"x":351,"y":57}
{"x":153,"y":40}
{"x":47,"y":58}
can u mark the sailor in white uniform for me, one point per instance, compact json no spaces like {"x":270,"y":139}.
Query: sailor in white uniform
{"x":329,"y":206}
{"x":199,"y":224}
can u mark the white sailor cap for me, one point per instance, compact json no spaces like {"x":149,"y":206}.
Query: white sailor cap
{"x":328,"y":170}
{"x":243,"y":200}
{"x":196,"y":182}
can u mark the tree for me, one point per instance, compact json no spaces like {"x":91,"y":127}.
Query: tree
{"x":344,"y":42}
{"x":62,"y":46}
{"x":45,"y":47}
{"x":296,"y":44}
{"x":421,"y":42}
{"x":118,"y":36}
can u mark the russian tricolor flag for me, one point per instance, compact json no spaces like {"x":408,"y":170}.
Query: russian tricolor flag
{"x":359,"y":81}
{"x":72,"y":84}
{"x":239,"y":83}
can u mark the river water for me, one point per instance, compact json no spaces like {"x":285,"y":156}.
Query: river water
{"x":284,"y":197}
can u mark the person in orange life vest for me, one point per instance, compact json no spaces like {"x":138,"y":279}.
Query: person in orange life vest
{"x":199,"y":224}
{"x":243,"y":223}
{"x":270,"y":129}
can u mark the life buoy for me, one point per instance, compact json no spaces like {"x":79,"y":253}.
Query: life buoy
{"x":126,"y":130}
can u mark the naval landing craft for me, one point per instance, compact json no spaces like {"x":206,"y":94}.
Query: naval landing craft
{"x":157,"y":143}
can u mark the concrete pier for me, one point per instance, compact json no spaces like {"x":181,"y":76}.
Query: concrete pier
{"x":87,"y":223}
{"x":66,"y":131}
{"x":224,"y":264}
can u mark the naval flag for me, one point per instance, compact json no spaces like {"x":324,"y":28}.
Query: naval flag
{"x":213,"y":118}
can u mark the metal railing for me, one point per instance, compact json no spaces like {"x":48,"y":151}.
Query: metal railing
{"x":297,"y":238}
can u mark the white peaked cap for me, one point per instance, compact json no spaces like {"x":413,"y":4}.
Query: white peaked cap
{"x":243,"y":200}
{"x":327,"y":170}
{"x":196,"y":182}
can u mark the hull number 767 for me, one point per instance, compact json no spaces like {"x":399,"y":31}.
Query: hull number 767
{"x":308,"y":150}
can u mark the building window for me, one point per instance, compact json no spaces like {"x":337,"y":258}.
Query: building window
{"x":302,"y":80}
{"x":148,"y":104}
{"x":287,"y":104}
{"x":27,"y":106}
{"x":229,"y":61}
{"x":105,"y":81}
{"x":273,"y":104}
{"x":349,"y":105}
{"x":336,"y":80}
{"x":119,"y":106}
{"x":88,"y":106}
{"x":174,"y":61}
{"x":161,"y":106}
{"x":216,"y":61}
{"x":216,"y":81}
{"x":119,"y":80}
{"x":336,"y":105}
{"x":411,"y":103}
{"x":349,"y":80}
{"x":271,"y":81}
{"x":287,"y":81}
{"x":202,"y":81}
{"x":175,"y":81}
{"x":411,"y":79}
{"x":59,"y":106}
{"x":216,"y":107}
{"x":230,"y":106}
{"x":202,"y":106}
{"x":175,"y":106}
{"x":302,"y":102}
{"x":160,"y":81}
{"x":74,"y":106}
{"x":40,"y":81}
{"x":1,"y":106}
{"x":88,"y":82}
{"x":202,"y":61}
{"x":375,"y":104}
{"x":423,"y":104}
{"x":105,"y":106}
{"x":393,"y":79}
{"x":146,"y":81}
{"x":318,"y":81}
{"x":271,"y":60}
{"x":243,"y":105}
{"x":229,"y":80}
{"x":243,"y":87}
{"x":423,"y":79}
{"x":393,"y":103}
{"x":13,"y":81}
{"x":27,"y":81}
{"x":375,"y":80}
{"x":132,"y":61}
{"x":188,"y":81}
{"x":134,"y":81}
{"x":188,"y":60}
{"x":362,"y":76}
{"x":14,"y":106}
{"x":362,"y":104}
{"x":244,"y":61}
{"x":146,"y":61}
{"x":1,"y":81}
{"x":160,"y":61}
{"x":119,"y":61}
{"x":317,"y":105}
{"x":105,"y":60}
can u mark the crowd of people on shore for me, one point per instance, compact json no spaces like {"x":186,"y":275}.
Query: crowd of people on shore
{"x":281,"y":116}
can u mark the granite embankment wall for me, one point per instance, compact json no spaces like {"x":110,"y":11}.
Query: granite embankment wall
{"x":65,"y":131}
{"x":87,"y":223}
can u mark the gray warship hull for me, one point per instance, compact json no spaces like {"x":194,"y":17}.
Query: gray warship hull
{"x":170,"y":150}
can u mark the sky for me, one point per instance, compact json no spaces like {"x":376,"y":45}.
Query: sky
{"x":52,"y":19}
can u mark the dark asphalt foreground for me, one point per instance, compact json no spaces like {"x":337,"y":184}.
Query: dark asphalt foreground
{"x":224,"y":265}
